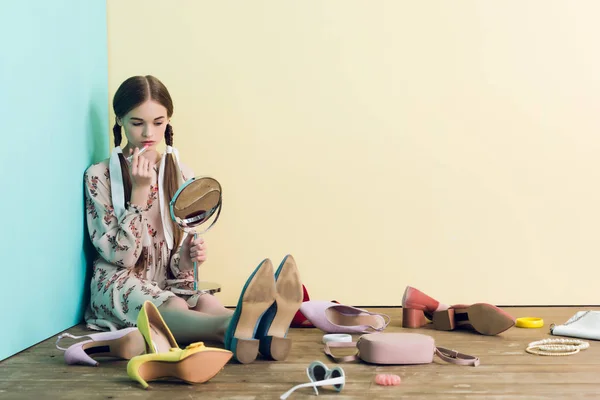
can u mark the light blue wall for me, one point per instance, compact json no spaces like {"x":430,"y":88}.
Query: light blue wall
{"x":53,"y":124}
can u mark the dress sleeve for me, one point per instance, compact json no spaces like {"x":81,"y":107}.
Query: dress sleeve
{"x":118,"y":241}
{"x":184,"y":279}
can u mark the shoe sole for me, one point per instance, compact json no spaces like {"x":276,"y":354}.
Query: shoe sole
{"x":256,"y":298}
{"x":125,"y":347}
{"x":486,"y":319}
{"x":276,"y":322}
{"x":197,"y":368}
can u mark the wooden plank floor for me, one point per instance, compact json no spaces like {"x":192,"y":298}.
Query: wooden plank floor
{"x":506,"y":371}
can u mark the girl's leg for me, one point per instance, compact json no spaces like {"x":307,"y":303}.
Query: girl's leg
{"x":190,"y":326}
{"x":209,"y":304}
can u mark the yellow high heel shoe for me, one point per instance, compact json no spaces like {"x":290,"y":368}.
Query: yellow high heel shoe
{"x":194,"y":364}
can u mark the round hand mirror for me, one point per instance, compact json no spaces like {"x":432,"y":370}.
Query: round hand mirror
{"x":194,"y":203}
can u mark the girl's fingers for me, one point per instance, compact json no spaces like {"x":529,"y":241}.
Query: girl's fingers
{"x":133,"y":153}
{"x":146,"y":168}
{"x":198,"y":247}
{"x":134,"y":168}
{"x":197,"y":254}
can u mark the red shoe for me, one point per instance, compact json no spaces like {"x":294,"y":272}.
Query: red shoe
{"x":300,"y":320}
{"x":484,"y":318}
{"x":417,"y":308}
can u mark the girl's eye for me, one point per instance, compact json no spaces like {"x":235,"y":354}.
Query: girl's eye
{"x":136,"y":123}
{"x":158,"y":123}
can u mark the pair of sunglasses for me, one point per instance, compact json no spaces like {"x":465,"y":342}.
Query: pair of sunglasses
{"x":320,"y":375}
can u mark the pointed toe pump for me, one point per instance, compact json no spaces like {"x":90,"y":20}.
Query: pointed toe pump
{"x":257,"y":296}
{"x":123,"y":344}
{"x":157,"y":335}
{"x":418,"y":309}
{"x":164,"y":359}
{"x":275,"y":323}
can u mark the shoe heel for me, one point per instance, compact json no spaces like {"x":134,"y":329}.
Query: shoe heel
{"x":142,"y":382}
{"x":134,"y":367}
{"x":244,"y":350}
{"x":413,"y":318}
{"x":276,"y":348}
{"x":444,"y":320}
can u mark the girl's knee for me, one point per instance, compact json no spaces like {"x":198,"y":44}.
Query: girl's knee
{"x":174,"y":303}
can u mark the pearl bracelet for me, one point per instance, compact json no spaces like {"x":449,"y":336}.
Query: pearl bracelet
{"x":557,"y":347}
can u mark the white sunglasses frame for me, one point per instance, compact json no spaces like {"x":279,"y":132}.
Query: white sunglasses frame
{"x":328,"y":372}
{"x":341,"y":380}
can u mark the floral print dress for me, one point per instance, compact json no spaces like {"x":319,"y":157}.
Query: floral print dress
{"x":118,"y":291}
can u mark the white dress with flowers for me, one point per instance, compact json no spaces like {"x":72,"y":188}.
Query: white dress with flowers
{"x":117,"y":290}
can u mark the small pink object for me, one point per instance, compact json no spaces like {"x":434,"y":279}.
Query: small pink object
{"x":387,"y":380}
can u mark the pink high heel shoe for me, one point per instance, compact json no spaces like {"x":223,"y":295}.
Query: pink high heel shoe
{"x":417,"y":308}
{"x":123,"y":344}
{"x":486,"y":319}
{"x":333,"y":317}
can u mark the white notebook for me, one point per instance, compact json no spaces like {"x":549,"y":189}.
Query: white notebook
{"x":584,"y":324}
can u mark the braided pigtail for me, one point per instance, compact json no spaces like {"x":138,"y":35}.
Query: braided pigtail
{"x":171,"y":182}
{"x":123,"y":162}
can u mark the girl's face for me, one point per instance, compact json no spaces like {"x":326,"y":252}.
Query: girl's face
{"x":145,"y":126}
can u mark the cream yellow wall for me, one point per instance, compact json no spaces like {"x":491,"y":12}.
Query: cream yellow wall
{"x":452,"y":146}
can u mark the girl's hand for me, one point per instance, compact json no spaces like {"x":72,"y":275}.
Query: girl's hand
{"x":192,"y":250}
{"x":142,"y":169}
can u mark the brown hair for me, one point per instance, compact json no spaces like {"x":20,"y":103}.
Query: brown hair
{"x":132,"y":93}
